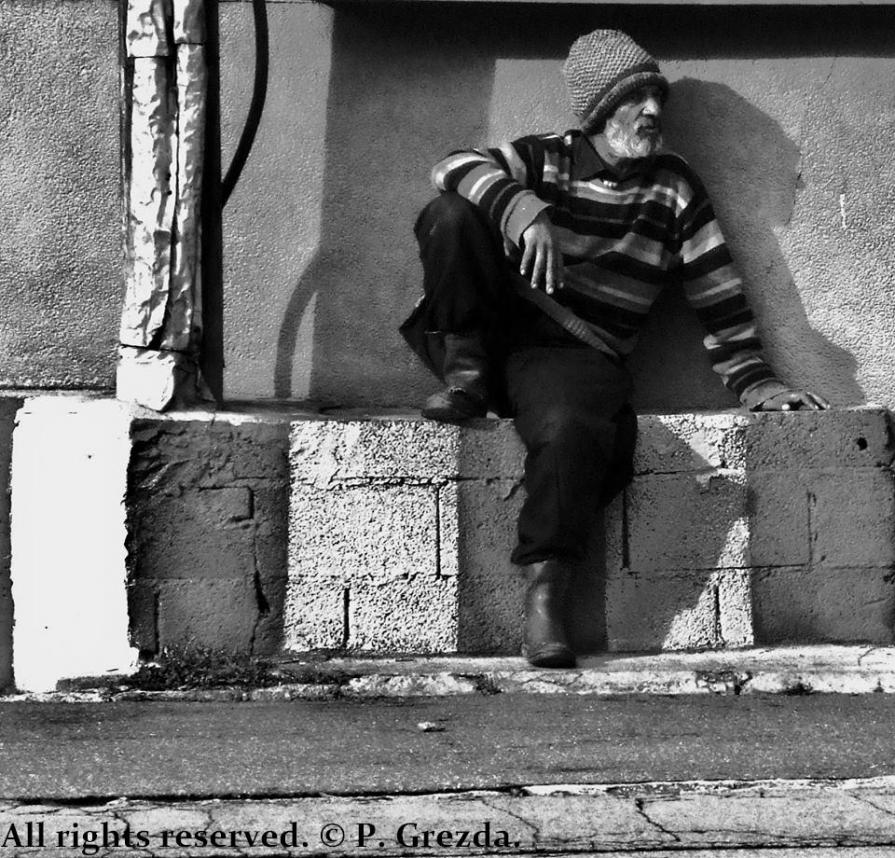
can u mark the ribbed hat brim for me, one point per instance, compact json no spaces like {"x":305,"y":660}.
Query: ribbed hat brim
{"x":606,"y":101}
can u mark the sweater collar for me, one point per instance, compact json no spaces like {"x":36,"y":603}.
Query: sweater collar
{"x":588,"y":164}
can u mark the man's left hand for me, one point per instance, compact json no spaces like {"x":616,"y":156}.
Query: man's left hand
{"x":794,"y":400}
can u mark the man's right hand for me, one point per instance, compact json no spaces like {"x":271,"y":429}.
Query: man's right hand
{"x":541,"y":257}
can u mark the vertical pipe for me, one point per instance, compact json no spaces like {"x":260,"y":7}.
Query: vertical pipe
{"x":170,"y":220}
{"x":212,"y":356}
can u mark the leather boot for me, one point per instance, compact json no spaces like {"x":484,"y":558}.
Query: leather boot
{"x":545,"y":642}
{"x":465,"y":374}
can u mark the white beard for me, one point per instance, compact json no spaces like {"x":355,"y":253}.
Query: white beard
{"x":627,"y":143}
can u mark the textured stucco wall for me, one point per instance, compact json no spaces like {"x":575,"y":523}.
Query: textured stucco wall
{"x":60,"y":224}
{"x":787,"y":114}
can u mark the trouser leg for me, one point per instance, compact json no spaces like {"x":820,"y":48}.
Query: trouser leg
{"x":464,"y":268}
{"x":570,"y":409}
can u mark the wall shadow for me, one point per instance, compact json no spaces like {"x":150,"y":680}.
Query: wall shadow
{"x":674,"y":546}
{"x":752,"y":171}
{"x":406,"y":84}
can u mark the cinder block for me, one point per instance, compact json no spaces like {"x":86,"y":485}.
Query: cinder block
{"x":651,"y":611}
{"x":214,"y":614}
{"x":478,"y":533}
{"x":586,"y":600}
{"x":326,"y":452}
{"x":615,"y":534}
{"x":853,"y":518}
{"x":185,"y":537}
{"x":826,"y":604}
{"x":687,"y":521}
{"x":223,"y":506}
{"x":837,"y":438}
{"x":142,"y":606}
{"x":735,"y":607}
{"x":269,"y":633}
{"x":258,"y":450}
{"x":314,"y":616}
{"x":778,"y":522}
{"x":363,"y":544}
{"x":173,"y":452}
{"x":490,"y":450}
{"x":673,"y":443}
{"x":377,"y":532}
{"x":415,"y":614}
{"x":271,"y":507}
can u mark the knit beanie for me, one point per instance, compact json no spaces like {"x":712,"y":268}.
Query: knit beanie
{"x":602,"y":68}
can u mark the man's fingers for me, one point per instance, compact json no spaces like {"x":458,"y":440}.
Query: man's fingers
{"x":527,"y":256}
{"x":557,"y":269}
{"x":537,"y":274}
{"x":551,"y":271}
{"x":796,"y":399}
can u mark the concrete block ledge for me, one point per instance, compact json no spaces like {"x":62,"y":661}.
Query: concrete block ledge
{"x":788,"y":670}
{"x":262,"y":529}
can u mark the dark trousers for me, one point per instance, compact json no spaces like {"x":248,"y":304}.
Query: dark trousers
{"x":568,"y":400}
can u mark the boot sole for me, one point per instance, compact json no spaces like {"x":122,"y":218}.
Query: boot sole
{"x":552,"y":655}
{"x":451,"y":415}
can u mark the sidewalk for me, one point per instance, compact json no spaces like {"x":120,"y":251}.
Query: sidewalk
{"x":672,"y":754}
{"x":555,"y":774}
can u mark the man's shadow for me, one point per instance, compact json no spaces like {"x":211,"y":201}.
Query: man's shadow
{"x":752,"y":171}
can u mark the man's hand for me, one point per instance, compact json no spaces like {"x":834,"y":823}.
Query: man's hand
{"x":542,"y":258}
{"x":794,"y":400}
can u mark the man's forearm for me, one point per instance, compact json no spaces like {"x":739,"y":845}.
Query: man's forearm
{"x":498,"y":189}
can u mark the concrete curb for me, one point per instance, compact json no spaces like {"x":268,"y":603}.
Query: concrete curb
{"x":643,"y":818}
{"x":777,"y":670}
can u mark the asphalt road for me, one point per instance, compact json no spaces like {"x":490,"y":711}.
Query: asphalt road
{"x":165,"y":750}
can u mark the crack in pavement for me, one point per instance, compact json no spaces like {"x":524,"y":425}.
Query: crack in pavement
{"x":640,"y":805}
{"x":536,"y":829}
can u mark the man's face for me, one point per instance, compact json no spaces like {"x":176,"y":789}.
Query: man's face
{"x":635,"y":128}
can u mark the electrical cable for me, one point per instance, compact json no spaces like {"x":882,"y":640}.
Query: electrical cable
{"x":256,"y":108}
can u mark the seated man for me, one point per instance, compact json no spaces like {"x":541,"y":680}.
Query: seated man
{"x":541,"y":260}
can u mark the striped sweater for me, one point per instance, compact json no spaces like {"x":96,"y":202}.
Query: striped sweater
{"x":622,"y":241}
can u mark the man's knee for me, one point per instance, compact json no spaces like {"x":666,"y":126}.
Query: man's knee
{"x":575,"y":433}
{"x":448,"y":214}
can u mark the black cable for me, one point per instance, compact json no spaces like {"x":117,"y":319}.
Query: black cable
{"x":256,"y":108}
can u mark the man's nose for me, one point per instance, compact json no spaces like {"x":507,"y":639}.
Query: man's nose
{"x":652,"y":106}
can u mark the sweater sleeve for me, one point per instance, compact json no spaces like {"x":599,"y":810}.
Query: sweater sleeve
{"x":714,"y":289}
{"x":501,"y":181}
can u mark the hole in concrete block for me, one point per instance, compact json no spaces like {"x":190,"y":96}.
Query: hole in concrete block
{"x":862,"y":443}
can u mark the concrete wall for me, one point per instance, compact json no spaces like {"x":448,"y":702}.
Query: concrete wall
{"x":207,"y":512}
{"x":736,"y":530}
{"x":60,"y":221}
{"x":787,"y":113}
{"x":250,"y":532}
